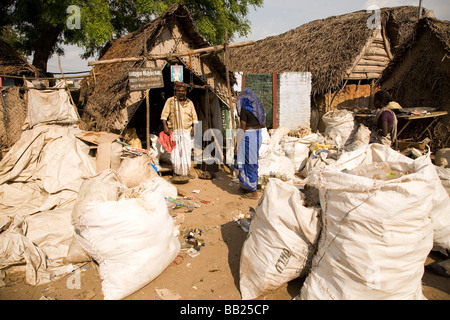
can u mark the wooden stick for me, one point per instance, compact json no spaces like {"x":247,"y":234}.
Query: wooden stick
{"x":274,"y":100}
{"x":170,"y":55}
{"x":148,"y":117}
{"x":68,"y":90}
{"x":42,"y":78}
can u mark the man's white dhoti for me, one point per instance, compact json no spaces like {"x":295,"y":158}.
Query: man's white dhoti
{"x":181,"y":153}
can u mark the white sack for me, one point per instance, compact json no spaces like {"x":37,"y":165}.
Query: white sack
{"x":339,"y":125}
{"x":377,"y":233}
{"x":361,"y":138}
{"x":168,"y":190}
{"x":297,"y":149}
{"x":274,"y":165}
{"x":281,"y":240}
{"x":318,"y":159}
{"x":275,"y":140}
{"x":132,"y":240}
{"x":133,"y":172}
{"x":49,"y":107}
{"x":444,"y":176}
{"x":102,"y":187}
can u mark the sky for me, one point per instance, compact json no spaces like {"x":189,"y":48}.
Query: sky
{"x":275,"y":17}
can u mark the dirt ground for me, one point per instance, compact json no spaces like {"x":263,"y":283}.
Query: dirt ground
{"x":212,"y":275}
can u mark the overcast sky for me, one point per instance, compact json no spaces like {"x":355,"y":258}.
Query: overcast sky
{"x":276,"y":17}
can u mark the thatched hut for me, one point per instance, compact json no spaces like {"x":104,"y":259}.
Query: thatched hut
{"x":419,"y":74}
{"x":111,"y":106}
{"x":13,"y":66}
{"x":12,"y":104}
{"x":344,"y":54}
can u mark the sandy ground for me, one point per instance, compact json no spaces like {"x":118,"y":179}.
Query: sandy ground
{"x":212,"y":275}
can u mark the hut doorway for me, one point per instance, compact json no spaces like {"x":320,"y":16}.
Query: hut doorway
{"x":207,"y":105}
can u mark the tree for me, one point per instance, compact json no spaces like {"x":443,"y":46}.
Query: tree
{"x":43,"y":26}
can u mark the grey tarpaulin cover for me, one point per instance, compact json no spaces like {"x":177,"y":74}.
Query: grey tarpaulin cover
{"x":39,"y":181}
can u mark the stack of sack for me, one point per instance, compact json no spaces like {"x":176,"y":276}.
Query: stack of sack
{"x":382,"y":214}
{"x":126,"y":229}
{"x":282,"y":238}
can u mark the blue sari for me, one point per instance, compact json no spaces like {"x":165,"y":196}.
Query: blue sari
{"x":248,"y":149}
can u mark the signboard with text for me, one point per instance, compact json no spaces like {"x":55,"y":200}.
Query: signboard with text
{"x":145,"y":78}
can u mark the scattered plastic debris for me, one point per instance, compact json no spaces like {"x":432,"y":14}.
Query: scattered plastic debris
{"x":244,"y":220}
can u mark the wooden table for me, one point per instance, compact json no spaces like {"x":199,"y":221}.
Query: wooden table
{"x":409,"y":118}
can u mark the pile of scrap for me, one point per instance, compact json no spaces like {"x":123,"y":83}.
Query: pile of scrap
{"x":62,"y":189}
{"x":358,"y":206}
{"x":379,"y":216}
{"x":290,"y":154}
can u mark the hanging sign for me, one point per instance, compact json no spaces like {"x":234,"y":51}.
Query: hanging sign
{"x":145,"y":78}
{"x":176,"y":73}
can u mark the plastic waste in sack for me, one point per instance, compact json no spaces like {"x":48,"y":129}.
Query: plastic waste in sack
{"x":377,"y":171}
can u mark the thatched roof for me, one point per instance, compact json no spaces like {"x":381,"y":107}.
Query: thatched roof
{"x":106,"y":98}
{"x":439,"y":28}
{"x":327,"y":48}
{"x":419,"y":74}
{"x":12,"y":64}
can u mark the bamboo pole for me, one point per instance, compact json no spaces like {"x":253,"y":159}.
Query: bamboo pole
{"x":230,"y":99}
{"x":171,"y":55}
{"x":147,"y":102}
{"x":147,"y":94}
{"x":67,"y":87}
{"x":226,"y":60}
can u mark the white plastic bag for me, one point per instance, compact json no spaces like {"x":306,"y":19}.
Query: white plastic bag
{"x":377,"y":233}
{"x":132,"y":240}
{"x":281,"y":240}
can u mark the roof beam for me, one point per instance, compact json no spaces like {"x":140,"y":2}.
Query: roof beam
{"x":171,"y":55}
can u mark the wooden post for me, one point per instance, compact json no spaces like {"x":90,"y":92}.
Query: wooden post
{"x":147,"y":102}
{"x":420,"y":9}
{"x":230,"y":99}
{"x":226,"y":60}
{"x":67,"y":88}
{"x":274,"y":100}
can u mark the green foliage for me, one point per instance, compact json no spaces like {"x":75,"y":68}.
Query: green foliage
{"x":103,"y":20}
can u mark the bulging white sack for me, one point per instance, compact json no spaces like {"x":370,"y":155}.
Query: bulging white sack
{"x":281,"y":240}
{"x":444,"y":176}
{"x":377,"y":233}
{"x":132,"y":240}
{"x":297,"y":149}
{"x":133,"y":172}
{"x":274,"y":165}
{"x":339,"y":125}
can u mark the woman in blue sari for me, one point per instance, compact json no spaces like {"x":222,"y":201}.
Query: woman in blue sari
{"x":252,"y":119}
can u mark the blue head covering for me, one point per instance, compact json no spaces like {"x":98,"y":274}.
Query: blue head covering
{"x":249,"y":100}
